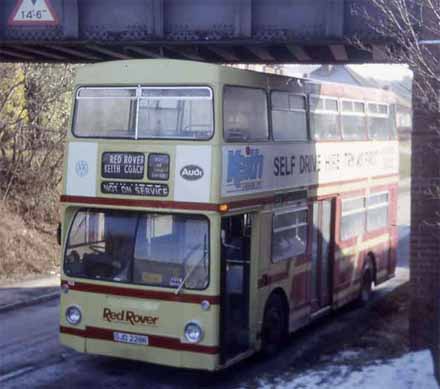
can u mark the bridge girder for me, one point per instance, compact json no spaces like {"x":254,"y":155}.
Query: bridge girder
{"x":222,"y":31}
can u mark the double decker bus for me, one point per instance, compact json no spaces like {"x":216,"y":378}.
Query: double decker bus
{"x":208,"y":211}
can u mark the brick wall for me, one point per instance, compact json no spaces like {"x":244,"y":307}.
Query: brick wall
{"x":425,"y":235}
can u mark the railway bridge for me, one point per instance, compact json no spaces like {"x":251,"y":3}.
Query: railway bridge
{"x":228,"y":31}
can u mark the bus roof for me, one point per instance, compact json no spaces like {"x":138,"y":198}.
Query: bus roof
{"x":165,"y":71}
{"x":180,"y":72}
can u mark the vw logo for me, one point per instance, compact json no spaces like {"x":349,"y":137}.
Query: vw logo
{"x":82,"y":168}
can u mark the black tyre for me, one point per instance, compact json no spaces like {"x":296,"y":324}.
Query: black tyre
{"x":274,"y":330}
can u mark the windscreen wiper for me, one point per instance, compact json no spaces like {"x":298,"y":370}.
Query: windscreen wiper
{"x":187,"y":275}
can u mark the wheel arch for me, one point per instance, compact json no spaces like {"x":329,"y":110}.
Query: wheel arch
{"x":283,"y":296}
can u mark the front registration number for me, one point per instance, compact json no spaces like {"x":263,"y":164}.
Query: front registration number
{"x":130,"y":338}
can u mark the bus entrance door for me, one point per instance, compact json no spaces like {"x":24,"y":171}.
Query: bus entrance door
{"x":322,"y":254}
{"x":235,"y":257}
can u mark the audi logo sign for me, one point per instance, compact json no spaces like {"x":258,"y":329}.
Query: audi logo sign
{"x":191,"y":172}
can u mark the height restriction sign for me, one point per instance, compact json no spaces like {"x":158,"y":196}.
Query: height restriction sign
{"x":33,"y":13}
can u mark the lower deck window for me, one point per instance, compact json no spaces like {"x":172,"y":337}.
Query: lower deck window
{"x":142,"y":248}
{"x":364,"y":214}
{"x":289,"y":235}
{"x":352,"y":218}
{"x":377,"y":213}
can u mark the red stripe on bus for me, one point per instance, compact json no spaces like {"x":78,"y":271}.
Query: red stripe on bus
{"x":139,"y":203}
{"x":153,"y":340}
{"x":73,"y":331}
{"x":195,"y":206}
{"x":146,"y":294}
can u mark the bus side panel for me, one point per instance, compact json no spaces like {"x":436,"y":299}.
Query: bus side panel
{"x":383,"y":243}
{"x":346,"y":279}
{"x":300,"y":294}
{"x":264,"y":265}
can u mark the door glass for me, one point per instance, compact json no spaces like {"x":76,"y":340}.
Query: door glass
{"x":236,"y":239}
{"x":325,"y":247}
{"x":315,"y":253}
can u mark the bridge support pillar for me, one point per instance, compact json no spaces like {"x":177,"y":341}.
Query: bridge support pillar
{"x":425,"y":220}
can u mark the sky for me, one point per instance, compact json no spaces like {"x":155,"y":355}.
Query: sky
{"x":377,"y":71}
{"x":384,"y":72}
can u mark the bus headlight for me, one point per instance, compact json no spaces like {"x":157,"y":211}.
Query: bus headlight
{"x":73,"y":315}
{"x":193,"y":332}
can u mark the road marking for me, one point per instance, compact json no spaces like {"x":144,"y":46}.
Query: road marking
{"x":15,"y":374}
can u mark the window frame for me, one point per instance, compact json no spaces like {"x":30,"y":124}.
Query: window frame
{"x":324,"y":112}
{"x":139,"y":213}
{"x":283,"y":211}
{"x":353,"y":212}
{"x":268,"y":113}
{"x":376,"y":206}
{"x":353,"y":113}
{"x":305,"y":111}
{"x":137,"y":97}
{"x":379,"y":116}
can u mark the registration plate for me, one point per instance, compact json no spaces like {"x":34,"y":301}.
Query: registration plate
{"x":123,"y":337}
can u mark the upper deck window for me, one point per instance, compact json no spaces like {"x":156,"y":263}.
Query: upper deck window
{"x":379,"y":123}
{"x":353,"y":120}
{"x":154,"y":113}
{"x":245,"y":114}
{"x":105,"y":112}
{"x":183,"y":113}
{"x":289,"y":120}
{"x":324,"y":118}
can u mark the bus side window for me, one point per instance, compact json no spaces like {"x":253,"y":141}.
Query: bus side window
{"x":289,"y":233}
{"x":236,"y":236}
{"x":324,"y":118}
{"x":289,"y":120}
{"x":232,"y":237}
{"x":245,"y":115}
{"x":353,"y":120}
{"x":378,"y":122}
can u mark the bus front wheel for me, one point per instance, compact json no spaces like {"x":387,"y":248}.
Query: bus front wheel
{"x":274,"y":325}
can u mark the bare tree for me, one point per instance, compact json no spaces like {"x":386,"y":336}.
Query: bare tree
{"x":407,"y":23}
{"x":34,"y":111}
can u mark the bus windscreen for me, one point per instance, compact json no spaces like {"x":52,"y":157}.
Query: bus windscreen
{"x":144,"y":113}
{"x":167,"y":250}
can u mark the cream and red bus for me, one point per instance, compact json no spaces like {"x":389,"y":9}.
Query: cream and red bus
{"x":208,"y":211}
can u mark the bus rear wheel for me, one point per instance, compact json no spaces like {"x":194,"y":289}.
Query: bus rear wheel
{"x":274,"y":325}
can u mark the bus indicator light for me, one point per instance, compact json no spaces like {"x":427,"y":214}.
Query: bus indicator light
{"x":65,"y":288}
{"x":223,"y":208}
